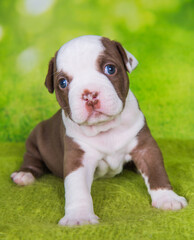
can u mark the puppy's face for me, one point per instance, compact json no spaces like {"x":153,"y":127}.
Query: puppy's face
{"x":89,"y":77}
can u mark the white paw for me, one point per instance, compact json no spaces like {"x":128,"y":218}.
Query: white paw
{"x":167,"y":200}
{"x":22,"y":178}
{"x":76,"y":219}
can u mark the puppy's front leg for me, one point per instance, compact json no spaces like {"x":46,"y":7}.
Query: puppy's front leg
{"x":78,"y":201}
{"x":149,"y":161}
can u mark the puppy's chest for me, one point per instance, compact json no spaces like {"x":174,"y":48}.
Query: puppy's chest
{"x":114,"y":151}
{"x":111,"y":165}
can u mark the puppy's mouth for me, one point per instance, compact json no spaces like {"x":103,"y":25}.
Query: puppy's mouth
{"x":99,"y":122}
{"x":97,"y":118}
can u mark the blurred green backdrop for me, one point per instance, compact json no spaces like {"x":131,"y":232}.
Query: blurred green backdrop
{"x":159,"y":33}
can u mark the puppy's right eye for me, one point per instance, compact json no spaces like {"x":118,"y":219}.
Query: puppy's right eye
{"x":109,"y":69}
{"x":63,"y":83}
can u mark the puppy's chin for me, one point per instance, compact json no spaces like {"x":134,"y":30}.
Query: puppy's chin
{"x":95,"y":126}
{"x":97,"y":118}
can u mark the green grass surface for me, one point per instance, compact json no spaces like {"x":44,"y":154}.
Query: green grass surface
{"x":160,"y":35}
{"x":122,"y":203}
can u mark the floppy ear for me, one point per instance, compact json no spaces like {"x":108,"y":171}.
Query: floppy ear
{"x":129,"y":60}
{"x":49,"y":81}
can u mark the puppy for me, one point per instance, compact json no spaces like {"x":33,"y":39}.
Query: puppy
{"x":98,"y":129}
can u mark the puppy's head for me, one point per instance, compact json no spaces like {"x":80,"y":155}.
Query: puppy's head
{"x":89,"y":76}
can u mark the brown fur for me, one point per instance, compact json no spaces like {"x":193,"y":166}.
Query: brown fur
{"x":73,"y":156}
{"x":148,"y":159}
{"x":45,"y":148}
{"x":52,"y":83}
{"x":62,"y":94}
{"x":112,"y":55}
{"x":50,"y":77}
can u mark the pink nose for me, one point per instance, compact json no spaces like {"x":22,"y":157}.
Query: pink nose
{"x":91,"y":98}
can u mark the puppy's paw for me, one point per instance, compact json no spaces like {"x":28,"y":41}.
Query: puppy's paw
{"x":76,"y":219}
{"x":167,"y":200}
{"x":22,"y":178}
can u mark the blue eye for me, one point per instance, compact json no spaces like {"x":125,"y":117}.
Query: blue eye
{"x":109,"y":69}
{"x":63,"y":83}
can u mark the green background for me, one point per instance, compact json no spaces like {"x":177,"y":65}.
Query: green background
{"x":160,"y":35}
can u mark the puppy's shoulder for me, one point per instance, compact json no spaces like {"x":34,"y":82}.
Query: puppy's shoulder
{"x":49,"y":129}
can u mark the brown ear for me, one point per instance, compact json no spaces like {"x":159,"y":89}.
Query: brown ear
{"x":121,"y":52}
{"x":129,"y":60}
{"x":49,"y":81}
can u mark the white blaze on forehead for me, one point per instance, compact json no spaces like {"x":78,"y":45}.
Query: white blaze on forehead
{"x":79,"y":54}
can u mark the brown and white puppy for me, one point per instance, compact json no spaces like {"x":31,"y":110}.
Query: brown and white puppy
{"x":98,"y":130}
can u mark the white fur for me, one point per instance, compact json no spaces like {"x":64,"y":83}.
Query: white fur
{"x":164,"y":198}
{"x":131,"y":66}
{"x":167,"y":199}
{"x":78,"y":200}
{"x":23,"y":178}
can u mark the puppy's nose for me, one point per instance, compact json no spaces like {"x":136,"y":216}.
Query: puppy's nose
{"x":91,"y":98}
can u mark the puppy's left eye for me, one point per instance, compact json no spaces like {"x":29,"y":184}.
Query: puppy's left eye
{"x":109,"y":69}
{"x":63,"y":83}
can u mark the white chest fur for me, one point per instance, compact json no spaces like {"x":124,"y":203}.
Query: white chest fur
{"x":108,"y":146}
